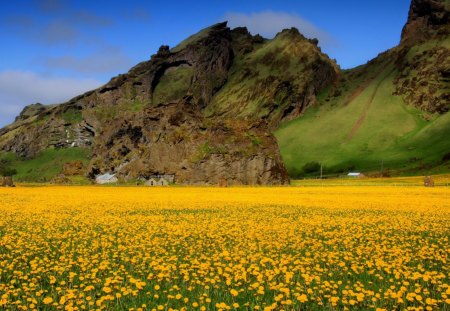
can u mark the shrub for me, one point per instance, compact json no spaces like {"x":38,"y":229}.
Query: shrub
{"x":6,"y":170}
{"x":311,"y":167}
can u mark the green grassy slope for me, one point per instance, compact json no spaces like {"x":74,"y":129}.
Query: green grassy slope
{"x":46,"y":164}
{"x":363,"y":127}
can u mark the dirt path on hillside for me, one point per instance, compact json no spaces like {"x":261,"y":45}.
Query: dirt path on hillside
{"x":363,"y":114}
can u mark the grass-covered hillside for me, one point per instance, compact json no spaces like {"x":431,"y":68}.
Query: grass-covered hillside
{"x":46,"y":164}
{"x":361,"y":125}
{"x":276,"y":80}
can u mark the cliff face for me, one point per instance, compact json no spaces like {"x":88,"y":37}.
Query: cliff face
{"x":177,"y":139}
{"x":423,"y":56}
{"x":176,"y":114}
{"x":426,"y":19}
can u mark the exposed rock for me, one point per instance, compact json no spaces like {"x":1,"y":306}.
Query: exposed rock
{"x":30,"y":111}
{"x":60,"y":179}
{"x":73,"y":168}
{"x":196,"y":150}
{"x":314,"y":41}
{"x":426,"y":19}
{"x":424,"y":80}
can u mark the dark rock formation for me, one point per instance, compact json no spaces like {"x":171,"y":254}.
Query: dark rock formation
{"x":424,"y":76}
{"x":30,"y":111}
{"x":426,"y":19}
{"x":424,"y":79}
{"x":197,"y":150}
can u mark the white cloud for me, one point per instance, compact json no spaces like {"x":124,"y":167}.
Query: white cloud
{"x":269,"y":23}
{"x":106,"y":60}
{"x":21,"y":88}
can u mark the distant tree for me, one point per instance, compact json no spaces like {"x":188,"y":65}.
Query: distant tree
{"x":311,"y":167}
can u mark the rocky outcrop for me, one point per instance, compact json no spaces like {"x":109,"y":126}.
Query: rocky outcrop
{"x":422,"y":59}
{"x":426,"y":19}
{"x":30,"y":111}
{"x":281,"y":79}
{"x":177,"y":139}
{"x":73,"y":168}
{"x":424,"y":79}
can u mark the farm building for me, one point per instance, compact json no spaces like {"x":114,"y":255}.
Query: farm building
{"x":163,"y":182}
{"x":170,"y":178}
{"x":151,"y":182}
{"x":156,"y":182}
{"x":355,"y":174}
{"x":106,"y":179}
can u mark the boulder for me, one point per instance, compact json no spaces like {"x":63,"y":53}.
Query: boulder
{"x":73,"y":168}
{"x":60,"y":179}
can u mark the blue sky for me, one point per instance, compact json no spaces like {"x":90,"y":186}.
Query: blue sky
{"x":53,"y":50}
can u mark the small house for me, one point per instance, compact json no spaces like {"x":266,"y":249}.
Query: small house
{"x":151,"y":182}
{"x":355,"y":174}
{"x":156,"y":182}
{"x":106,"y":179}
{"x":163,"y":182}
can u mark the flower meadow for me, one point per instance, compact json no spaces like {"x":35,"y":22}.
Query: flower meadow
{"x":194,"y":248}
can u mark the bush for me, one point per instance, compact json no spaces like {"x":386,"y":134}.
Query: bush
{"x":6,"y":169}
{"x":311,"y":167}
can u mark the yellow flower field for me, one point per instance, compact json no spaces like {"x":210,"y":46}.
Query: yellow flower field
{"x":290,"y":248}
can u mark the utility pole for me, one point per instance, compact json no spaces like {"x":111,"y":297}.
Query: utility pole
{"x":382,"y":164}
{"x":320,"y":170}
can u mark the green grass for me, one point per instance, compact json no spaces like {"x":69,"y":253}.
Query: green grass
{"x":46,"y":164}
{"x":138,"y":105}
{"x":192,"y":39}
{"x":388,"y":131}
{"x":72,"y":115}
{"x":173,"y":85}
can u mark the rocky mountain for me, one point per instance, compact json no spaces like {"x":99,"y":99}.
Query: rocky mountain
{"x":202,"y":110}
{"x":389,"y":114}
{"x":206,"y":109}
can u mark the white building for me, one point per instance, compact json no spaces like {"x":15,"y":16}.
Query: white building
{"x":106,"y":179}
